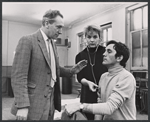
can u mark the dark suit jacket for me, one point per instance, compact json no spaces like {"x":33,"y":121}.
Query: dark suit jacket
{"x":31,"y":74}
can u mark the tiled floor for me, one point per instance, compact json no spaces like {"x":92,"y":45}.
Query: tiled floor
{"x":7,"y":102}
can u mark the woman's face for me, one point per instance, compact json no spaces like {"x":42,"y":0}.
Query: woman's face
{"x":92,"y":38}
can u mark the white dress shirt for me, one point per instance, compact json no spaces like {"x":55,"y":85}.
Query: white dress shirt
{"x":52,"y":57}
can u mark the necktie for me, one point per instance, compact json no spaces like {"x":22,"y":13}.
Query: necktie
{"x":52,"y":62}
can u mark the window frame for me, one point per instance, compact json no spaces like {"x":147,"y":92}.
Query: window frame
{"x":81,"y":43}
{"x":130,"y":31}
{"x":105,"y":27}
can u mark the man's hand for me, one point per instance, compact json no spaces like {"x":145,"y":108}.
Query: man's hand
{"x":72,"y":108}
{"x":79,"y":66}
{"x":22,"y":114}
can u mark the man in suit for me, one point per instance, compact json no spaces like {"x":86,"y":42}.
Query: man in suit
{"x":36,"y":71}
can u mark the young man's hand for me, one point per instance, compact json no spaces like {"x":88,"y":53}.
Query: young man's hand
{"x":92,"y":86}
{"x":72,"y":108}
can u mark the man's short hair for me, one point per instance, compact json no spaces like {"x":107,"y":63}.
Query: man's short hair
{"x":121,"y":49}
{"x":92,"y":28}
{"x":50,"y":16}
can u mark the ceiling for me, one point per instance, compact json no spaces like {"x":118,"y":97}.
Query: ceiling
{"x":73,"y":12}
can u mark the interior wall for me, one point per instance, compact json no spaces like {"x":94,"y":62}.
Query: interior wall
{"x":116,"y":16}
{"x":12,"y":32}
{"x":4,"y":42}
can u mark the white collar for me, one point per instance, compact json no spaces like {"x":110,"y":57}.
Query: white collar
{"x":44,"y":35}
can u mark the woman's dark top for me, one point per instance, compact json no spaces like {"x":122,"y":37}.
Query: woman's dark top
{"x":87,"y":96}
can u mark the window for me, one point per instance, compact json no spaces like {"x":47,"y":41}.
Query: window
{"x":106,"y":32}
{"x":82,"y":41}
{"x":138,"y":34}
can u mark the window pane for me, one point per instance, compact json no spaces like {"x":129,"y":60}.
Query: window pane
{"x":145,"y":38}
{"x":145,"y":47}
{"x":136,"y":50}
{"x":137,"y":17}
{"x":109,"y":33}
{"x":145,"y":17}
{"x":136,"y":40}
{"x":104,"y":35}
{"x":82,"y":39}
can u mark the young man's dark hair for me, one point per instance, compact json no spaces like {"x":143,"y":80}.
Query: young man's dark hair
{"x":121,"y":49}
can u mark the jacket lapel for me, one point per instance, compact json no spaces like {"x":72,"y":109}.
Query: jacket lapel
{"x":43,"y":47}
